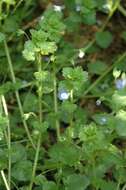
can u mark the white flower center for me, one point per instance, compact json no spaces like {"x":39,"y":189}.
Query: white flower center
{"x":64,"y":95}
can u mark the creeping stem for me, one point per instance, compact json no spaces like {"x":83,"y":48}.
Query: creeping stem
{"x":40,"y":121}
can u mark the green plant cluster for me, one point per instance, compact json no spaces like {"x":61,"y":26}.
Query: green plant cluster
{"x":62,"y":95}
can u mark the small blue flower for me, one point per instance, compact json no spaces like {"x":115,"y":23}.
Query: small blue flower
{"x":24,"y":83}
{"x":63,"y":95}
{"x":78,"y":8}
{"x":46,"y":58}
{"x":120,"y":83}
{"x":103,"y":121}
{"x":98,"y":102}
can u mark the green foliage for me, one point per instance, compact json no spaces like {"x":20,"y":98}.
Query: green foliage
{"x":97,"y":67}
{"x":124,"y":35}
{"x":2,"y":37}
{"x":119,"y":99}
{"x":75,"y":181}
{"x":120,"y":123}
{"x":64,"y":153}
{"x":51,"y":23}
{"x":63,"y":99}
{"x":18,"y":153}
{"x":75,"y":78}
{"x":21,"y":171}
{"x":104,"y":39}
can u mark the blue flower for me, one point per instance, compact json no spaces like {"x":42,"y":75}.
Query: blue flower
{"x":120,"y":83}
{"x":78,"y":8}
{"x":98,"y":102}
{"x":103,"y":121}
{"x":63,"y":95}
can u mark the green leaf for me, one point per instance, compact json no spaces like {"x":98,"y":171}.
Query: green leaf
{"x":73,"y":22}
{"x":75,"y":74}
{"x":38,"y":36}
{"x":64,"y":153}
{"x":104,"y":39}
{"x":27,"y":99}
{"x":67,"y":110}
{"x":11,"y":23}
{"x":68,"y":107}
{"x":120,"y":123}
{"x":2,"y":37}
{"x":122,"y":65}
{"x":47,"y":47}
{"x":29,"y":51}
{"x":42,"y":76}
{"x":50,"y":185}
{"x":119,"y":99}
{"x":40,"y":179}
{"x":3,"y":158}
{"x":89,"y":18}
{"x":77,"y":182}
{"x":41,"y":127}
{"x":47,"y":81}
{"x":93,"y":138}
{"x":97,"y":67}
{"x":3,"y":124}
{"x":123,"y":35}
{"x":22,"y":171}
{"x":90,"y":4}
{"x":52,"y":24}
{"x":3,"y":121}
{"x":105,"y":185}
{"x":109,"y":121}
{"x":9,"y":86}
{"x":18,"y":153}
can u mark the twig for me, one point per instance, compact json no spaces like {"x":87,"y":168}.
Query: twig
{"x":4,"y":179}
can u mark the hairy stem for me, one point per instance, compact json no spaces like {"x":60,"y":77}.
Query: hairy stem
{"x":55,"y":102}
{"x":8,"y":141}
{"x":5,"y":180}
{"x":40,"y":120}
{"x":17,"y":93}
{"x":122,"y":10}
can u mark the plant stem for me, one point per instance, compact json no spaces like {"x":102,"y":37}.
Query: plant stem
{"x":55,"y":102}
{"x":105,"y":73}
{"x":35,"y":162}
{"x":17,"y":93}
{"x":18,"y":4}
{"x":71,"y":99}
{"x":118,"y":185}
{"x":122,"y":10}
{"x":104,"y":25}
{"x":8,"y":141}
{"x":124,"y":187}
{"x":40,"y":120}
{"x":4,"y":179}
